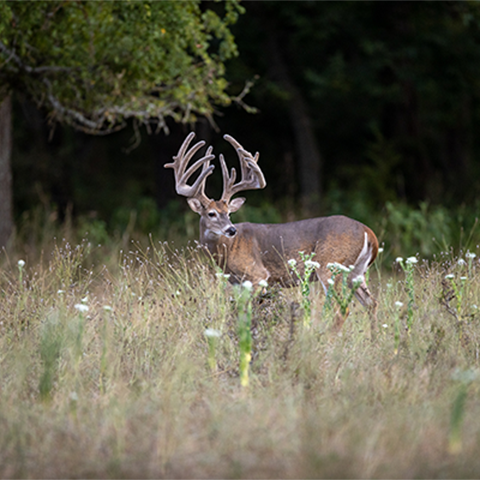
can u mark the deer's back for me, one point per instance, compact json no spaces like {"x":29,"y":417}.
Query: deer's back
{"x":333,"y":239}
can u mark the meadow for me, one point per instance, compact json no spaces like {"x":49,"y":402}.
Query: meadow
{"x":125,"y":363}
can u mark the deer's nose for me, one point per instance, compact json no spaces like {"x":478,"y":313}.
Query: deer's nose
{"x":231,"y":231}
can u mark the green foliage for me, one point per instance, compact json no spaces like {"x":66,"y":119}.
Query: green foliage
{"x":244,"y":297}
{"x":265,"y":213}
{"x":408,"y":268}
{"x":344,"y":296}
{"x":50,"y":347}
{"x":6,"y":17}
{"x":426,"y":230}
{"x":95,"y":64}
{"x":304,"y":275}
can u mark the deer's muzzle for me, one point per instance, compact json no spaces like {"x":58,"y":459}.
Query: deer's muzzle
{"x":231,"y":231}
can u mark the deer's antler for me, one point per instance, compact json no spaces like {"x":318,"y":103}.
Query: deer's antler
{"x":252,"y":176}
{"x":180,"y":163}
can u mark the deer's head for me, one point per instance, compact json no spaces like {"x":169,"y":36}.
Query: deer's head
{"x":215,"y":214}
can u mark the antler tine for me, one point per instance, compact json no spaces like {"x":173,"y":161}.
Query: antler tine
{"x":252,"y":176}
{"x":179,"y":165}
{"x":228,"y":180}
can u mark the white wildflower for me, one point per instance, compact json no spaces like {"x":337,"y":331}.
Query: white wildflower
{"x":311,"y":264}
{"x":21,"y":263}
{"x":60,"y":292}
{"x":212,"y":333}
{"x":399,"y":260}
{"x":380,"y":250}
{"x":338,"y":266}
{"x":411,"y":260}
{"x":247,"y":284}
{"x":84,"y":299}
{"x":470,"y":255}
{"x":81,"y":307}
{"x":450,"y":276}
{"x":399,"y":304}
{"x":263,"y":283}
{"x":358,"y":280}
{"x":292,"y":262}
{"x":385,"y":325}
{"x":226,"y":276}
{"x":331,"y":282}
{"x":107,"y":308}
{"x":463,"y":278}
{"x":461,"y":262}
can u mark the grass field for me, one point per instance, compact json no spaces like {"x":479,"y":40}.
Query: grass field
{"x":106,"y":371}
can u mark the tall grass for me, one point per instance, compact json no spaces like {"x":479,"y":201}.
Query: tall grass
{"x":106,"y":371}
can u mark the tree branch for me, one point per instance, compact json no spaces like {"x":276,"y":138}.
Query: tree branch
{"x":45,"y":69}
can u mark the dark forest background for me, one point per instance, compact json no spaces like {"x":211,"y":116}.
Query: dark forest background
{"x":370,"y":109}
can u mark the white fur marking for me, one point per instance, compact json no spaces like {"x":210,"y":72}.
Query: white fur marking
{"x":212,"y":234}
{"x":363,"y":259}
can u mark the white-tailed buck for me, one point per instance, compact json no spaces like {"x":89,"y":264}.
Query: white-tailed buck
{"x":255,"y":252}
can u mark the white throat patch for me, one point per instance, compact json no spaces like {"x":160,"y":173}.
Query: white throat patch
{"x":212,"y":234}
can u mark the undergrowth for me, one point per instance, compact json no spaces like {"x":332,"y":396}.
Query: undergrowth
{"x":106,"y":370}
{"x":425,"y":229}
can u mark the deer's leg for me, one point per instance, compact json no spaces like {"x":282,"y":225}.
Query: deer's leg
{"x":255,"y":273}
{"x":368,"y":301}
{"x":339,"y":319}
{"x":363,"y":293}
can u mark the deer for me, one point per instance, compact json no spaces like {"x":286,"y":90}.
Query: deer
{"x":260,"y":253}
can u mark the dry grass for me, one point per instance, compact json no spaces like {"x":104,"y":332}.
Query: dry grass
{"x":126,"y":391}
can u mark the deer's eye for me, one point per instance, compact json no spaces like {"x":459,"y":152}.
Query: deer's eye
{"x":211,"y":214}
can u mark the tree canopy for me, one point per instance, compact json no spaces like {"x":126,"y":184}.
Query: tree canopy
{"x":94,"y":65}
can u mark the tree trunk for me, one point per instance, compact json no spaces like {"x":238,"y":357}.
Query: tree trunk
{"x":309,"y":158}
{"x":6,"y":208}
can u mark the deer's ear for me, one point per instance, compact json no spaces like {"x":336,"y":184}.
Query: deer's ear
{"x":195,"y":205}
{"x":235,"y":204}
